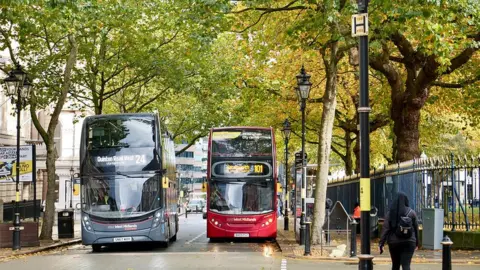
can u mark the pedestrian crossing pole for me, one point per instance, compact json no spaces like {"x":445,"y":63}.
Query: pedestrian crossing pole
{"x":360,"y":29}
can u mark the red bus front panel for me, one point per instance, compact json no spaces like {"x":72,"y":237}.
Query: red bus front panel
{"x":241,"y":226}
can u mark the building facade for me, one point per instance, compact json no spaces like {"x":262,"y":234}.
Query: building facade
{"x":192,"y":168}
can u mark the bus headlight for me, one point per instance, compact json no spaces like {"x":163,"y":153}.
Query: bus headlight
{"x":157,"y":219}
{"x":86,"y":223}
{"x":216,"y":223}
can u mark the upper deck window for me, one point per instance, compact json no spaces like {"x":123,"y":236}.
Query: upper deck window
{"x":242,"y":143}
{"x":121,"y":132}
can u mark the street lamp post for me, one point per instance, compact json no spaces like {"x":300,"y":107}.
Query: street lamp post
{"x":286,"y":136}
{"x":72,"y":175}
{"x":303,"y":90}
{"x":18,"y":88}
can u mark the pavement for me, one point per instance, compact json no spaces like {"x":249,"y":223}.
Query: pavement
{"x":6,"y":253}
{"x":339,"y":250}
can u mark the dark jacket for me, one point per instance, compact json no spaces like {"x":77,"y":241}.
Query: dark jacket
{"x":389,"y":236}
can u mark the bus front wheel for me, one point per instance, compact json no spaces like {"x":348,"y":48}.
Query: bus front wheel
{"x":96,"y":248}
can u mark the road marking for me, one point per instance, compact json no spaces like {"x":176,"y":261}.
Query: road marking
{"x":195,"y":238}
{"x":284,"y":264}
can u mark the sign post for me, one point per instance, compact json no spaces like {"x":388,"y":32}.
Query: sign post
{"x":360,"y":29}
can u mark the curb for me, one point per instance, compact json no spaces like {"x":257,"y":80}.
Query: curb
{"x":40,"y":249}
{"x":287,"y":252}
{"x":382,"y":260}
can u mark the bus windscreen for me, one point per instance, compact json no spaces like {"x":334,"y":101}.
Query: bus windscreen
{"x":242,"y":143}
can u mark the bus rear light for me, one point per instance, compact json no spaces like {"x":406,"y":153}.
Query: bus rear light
{"x":270,"y":220}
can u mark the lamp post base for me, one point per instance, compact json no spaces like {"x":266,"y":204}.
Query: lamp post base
{"x":302,"y":229}
{"x":16,"y":232}
{"x":285,"y":223}
{"x":365,"y":262}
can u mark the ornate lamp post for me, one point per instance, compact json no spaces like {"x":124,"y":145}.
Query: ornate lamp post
{"x":286,"y":136}
{"x":303,"y":91}
{"x":18,"y":89}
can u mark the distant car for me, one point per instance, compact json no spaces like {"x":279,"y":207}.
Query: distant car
{"x":204,"y":212}
{"x":195,"y":206}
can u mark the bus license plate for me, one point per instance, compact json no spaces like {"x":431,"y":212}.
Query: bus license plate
{"x":241,"y":235}
{"x":122,"y":239}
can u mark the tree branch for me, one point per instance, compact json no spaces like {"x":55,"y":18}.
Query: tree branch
{"x":190,"y":144}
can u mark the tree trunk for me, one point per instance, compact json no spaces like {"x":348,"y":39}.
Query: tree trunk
{"x":406,"y":122}
{"x":356,"y":151}
{"x":325,"y":139}
{"x":48,"y":138}
{"x":49,"y":214}
{"x":348,"y":153}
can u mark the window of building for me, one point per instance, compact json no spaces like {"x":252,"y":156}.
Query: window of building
{"x":186,"y":154}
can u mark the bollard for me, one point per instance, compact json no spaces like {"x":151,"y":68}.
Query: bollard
{"x":186,"y":212}
{"x":353,"y":239}
{"x":16,"y":232}
{"x":307,"y":238}
{"x":447,"y":253}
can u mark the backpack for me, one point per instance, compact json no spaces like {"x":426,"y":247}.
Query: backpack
{"x":405,"y":226}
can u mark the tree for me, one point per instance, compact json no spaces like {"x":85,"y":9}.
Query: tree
{"x":135,"y":60}
{"x":318,"y":26}
{"x":418,"y":43}
{"x":50,"y":52}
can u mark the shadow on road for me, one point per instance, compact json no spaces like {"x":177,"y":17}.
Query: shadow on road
{"x":132,"y":247}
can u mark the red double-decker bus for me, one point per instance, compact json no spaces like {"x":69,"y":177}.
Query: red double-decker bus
{"x":242,"y":182}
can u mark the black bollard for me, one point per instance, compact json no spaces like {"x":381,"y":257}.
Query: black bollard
{"x":353,"y":239}
{"x":16,"y":232}
{"x":307,"y":238}
{"x":447,"y":253}
{"x":186,"y":212}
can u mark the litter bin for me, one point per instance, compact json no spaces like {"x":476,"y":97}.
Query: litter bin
{"x":65,"y":223}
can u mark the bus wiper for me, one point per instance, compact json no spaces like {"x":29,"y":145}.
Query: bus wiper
{"x":124,"y":174}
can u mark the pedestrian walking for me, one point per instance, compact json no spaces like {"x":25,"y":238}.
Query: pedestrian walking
{"x":400,"y":232}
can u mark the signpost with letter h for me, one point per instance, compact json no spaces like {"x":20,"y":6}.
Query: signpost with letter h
{"x":360,"y":29}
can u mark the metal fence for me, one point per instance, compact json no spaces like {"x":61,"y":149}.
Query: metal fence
{"x":451,"y":183}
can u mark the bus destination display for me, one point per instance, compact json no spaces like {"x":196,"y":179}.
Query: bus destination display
{"x":236,"y":169}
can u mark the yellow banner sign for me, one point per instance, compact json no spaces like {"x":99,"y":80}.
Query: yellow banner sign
{"x":365,"y":194}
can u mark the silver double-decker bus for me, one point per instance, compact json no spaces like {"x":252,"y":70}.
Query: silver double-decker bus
{"x":128,"y":183}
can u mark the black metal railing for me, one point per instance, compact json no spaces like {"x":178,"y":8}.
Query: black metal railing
{"x":26,"y":210}
{"x":450,"y":182}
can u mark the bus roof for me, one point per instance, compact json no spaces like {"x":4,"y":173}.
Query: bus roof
{"x":119,"y":114}
{"x":240,"y":127}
